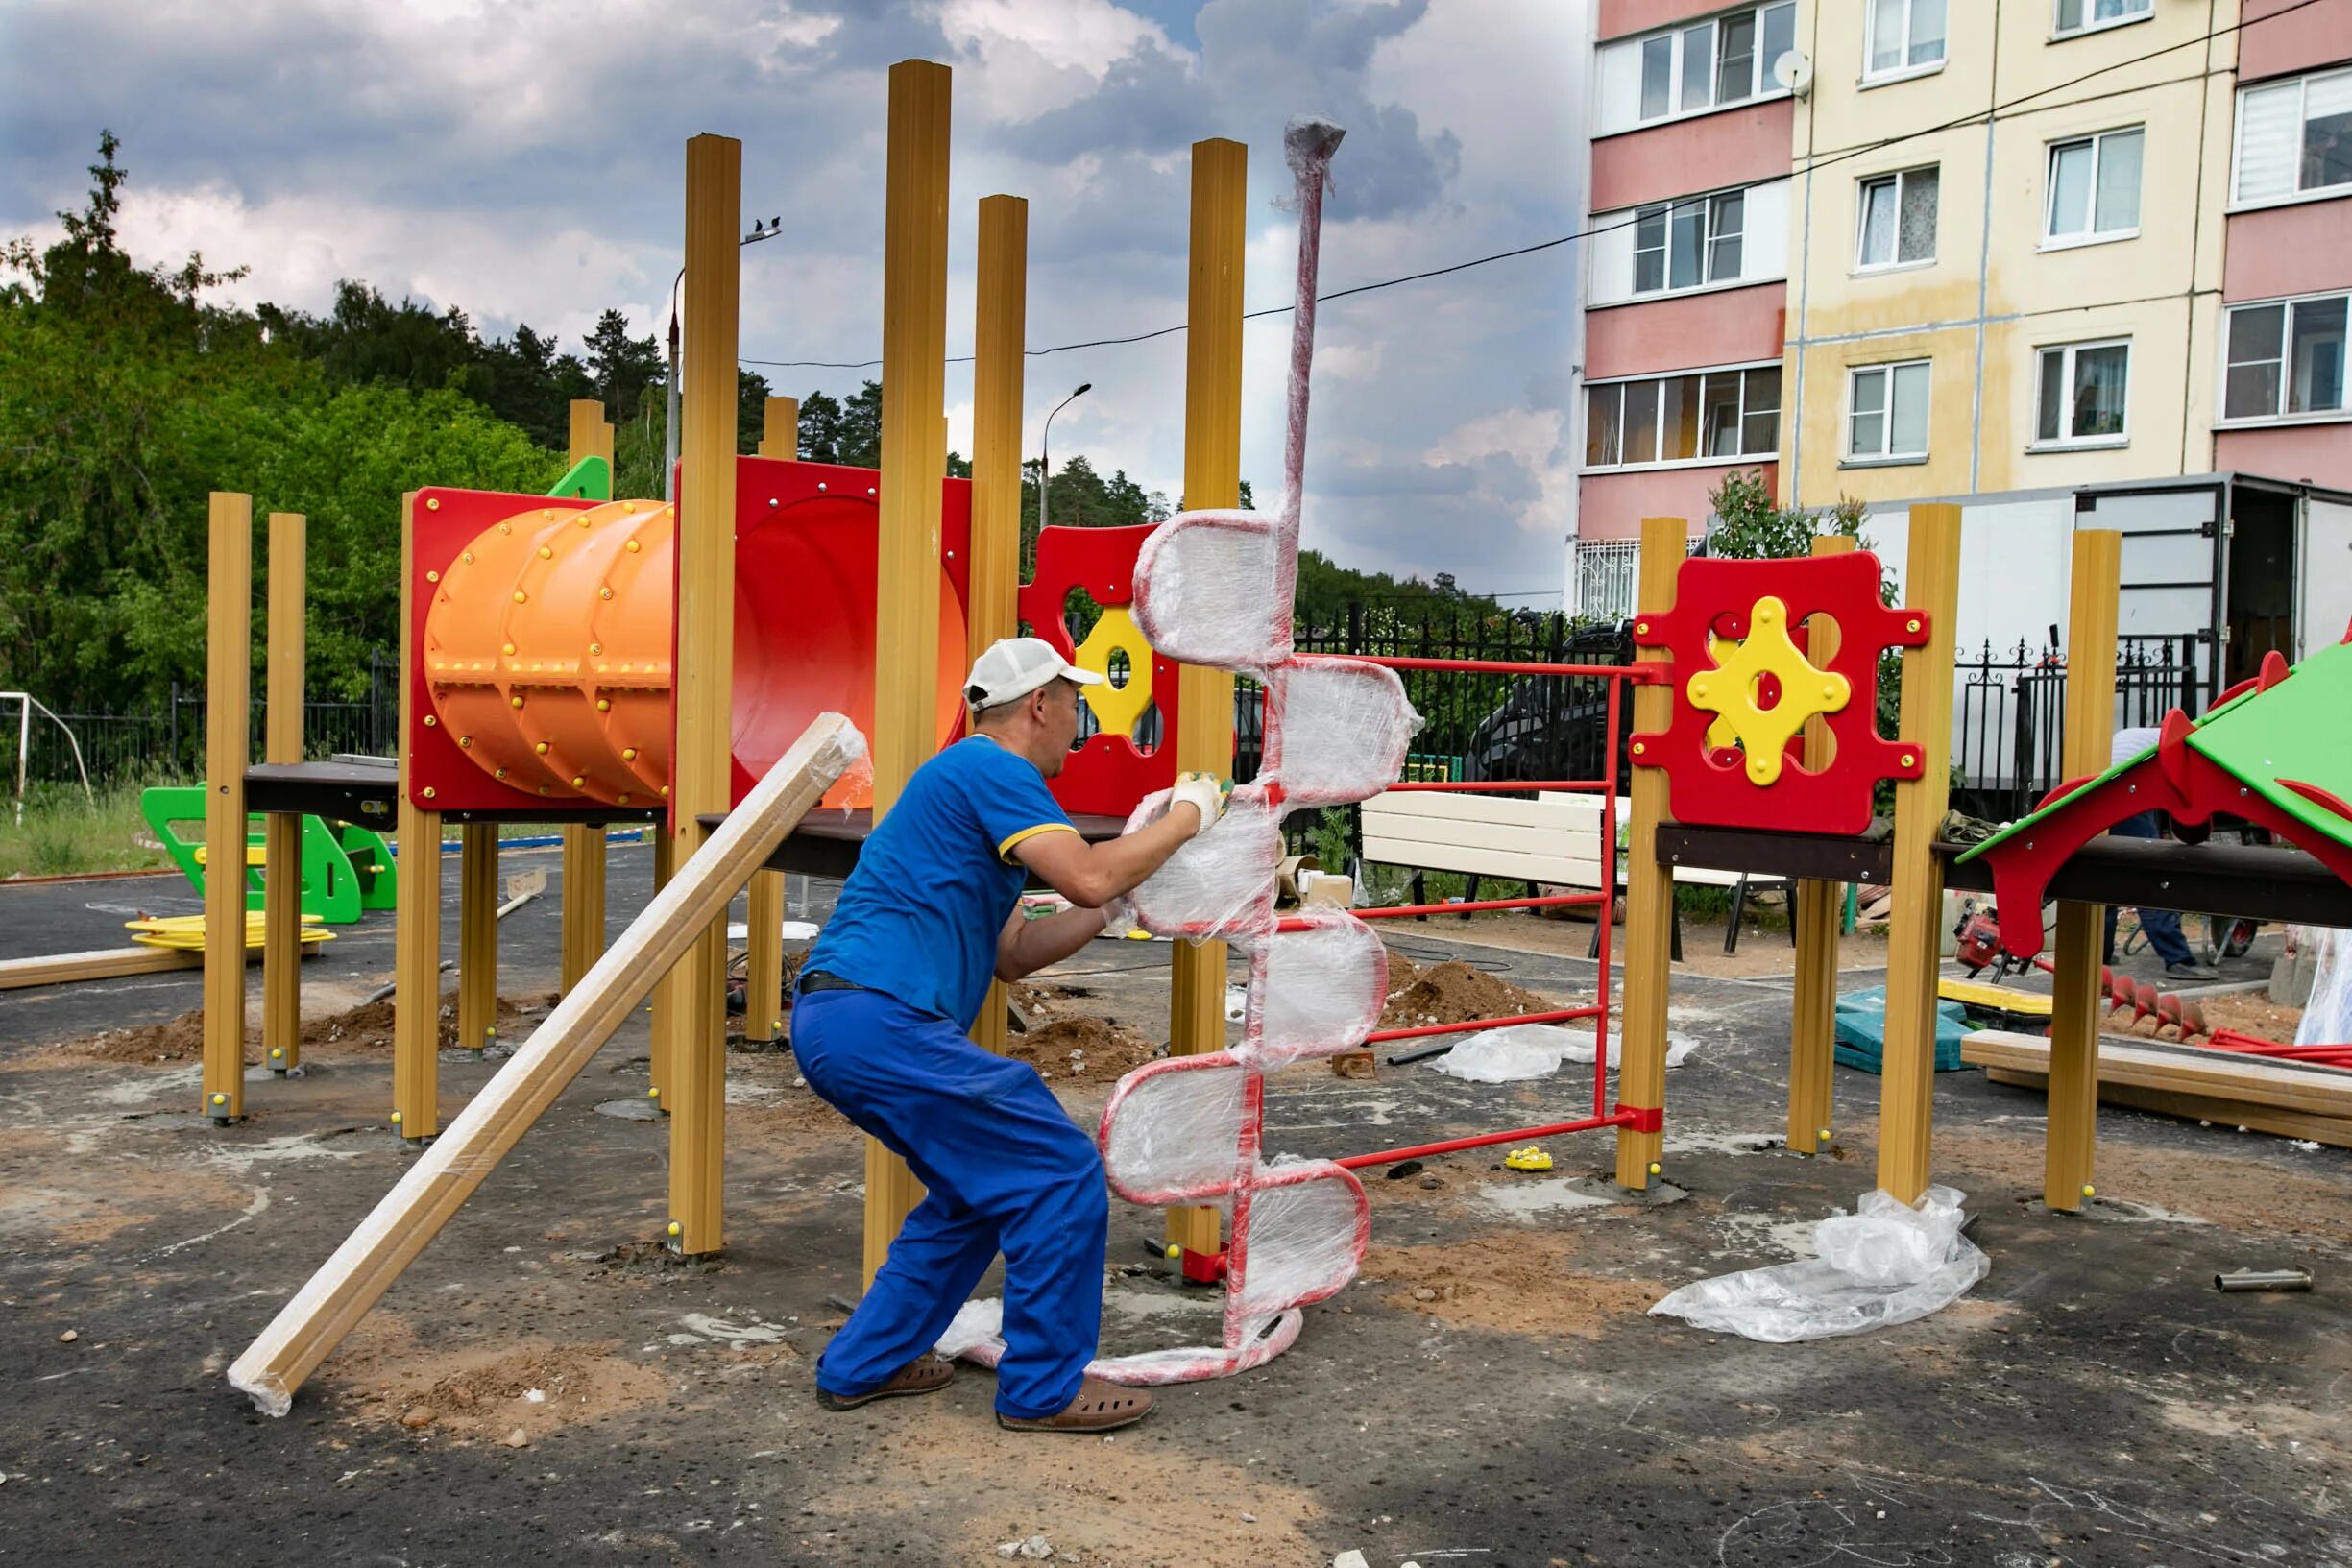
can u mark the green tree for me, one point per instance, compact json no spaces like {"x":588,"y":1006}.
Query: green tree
{"x":1752,"y":526}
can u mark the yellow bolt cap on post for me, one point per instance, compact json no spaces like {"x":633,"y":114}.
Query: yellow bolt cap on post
{"x":1823,"y":1134}
{"x":2089,"y":1191}
{"x":1654,"y":1168}
{"x":654,"y":1093}
{"x":676,"y":1229}
{"x":396,"y":1119}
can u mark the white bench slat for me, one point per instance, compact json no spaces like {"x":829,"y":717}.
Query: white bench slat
{"x":1554,"y":838}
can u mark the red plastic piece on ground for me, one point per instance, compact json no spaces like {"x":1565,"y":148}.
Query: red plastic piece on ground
{"x":1203,"y":1267}
{"x":1109,"y":773}
{"x":1714,"y":599}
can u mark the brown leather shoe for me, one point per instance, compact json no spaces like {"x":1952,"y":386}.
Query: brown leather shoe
{"x":925,"y":1375}
{"x":1100,"y":1406}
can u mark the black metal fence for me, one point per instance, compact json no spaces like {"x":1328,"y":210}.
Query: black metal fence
{"x":167,"y":741}
{"x":2009,"y":713}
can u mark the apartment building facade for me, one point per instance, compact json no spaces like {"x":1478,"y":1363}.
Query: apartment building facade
{"x":2030,"y":245}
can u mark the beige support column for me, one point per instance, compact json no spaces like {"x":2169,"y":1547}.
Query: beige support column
{"x":584,"y":851}
{"x":229,"y":659}
{"x":1813,"y":1019}
{"x":701,"y":751}
{"x":764,"y":914}
{"x":282,"y":861}
{"x":2076,"y":994}
{"x":913,"y":457}
{"x":1906,"y":1087}
{"x":477,"y":936}
{"x":1648,"y":965}
{"x":1212,"y":478}
{"x":416,"y":917}
{"x":999,"y":330}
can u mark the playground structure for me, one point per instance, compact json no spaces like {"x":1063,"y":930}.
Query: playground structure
{"x":547,"y":677}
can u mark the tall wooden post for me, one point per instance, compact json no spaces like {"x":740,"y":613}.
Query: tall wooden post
{"x":664,"y":989}
{"x":2076,"y":992}
{"x":1000,"y":333}
{"x":763,"y":914}
{"x":1212,"y":478}
{"x":1906,"y":1087}
{"x":478,"y":934}
{"x":1813,"y":1019}
{"x":1648,"y":965}
{"x":701,"y":751}
{"x":281,"y":859}
{"x":416,"y":918}
{"x":228,"y":672}
{"x":584,"y":852}
{"x":914,"y":459}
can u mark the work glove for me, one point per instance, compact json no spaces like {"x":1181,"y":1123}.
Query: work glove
{"x":1118,"y":918}
{"x":1202,"y":792}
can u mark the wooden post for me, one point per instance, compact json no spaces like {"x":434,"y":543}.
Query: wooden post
{"x":663,"y":1004}
{"x":1000,"y":333}
{"x":228,"y":672}
{"x":412,"y":1213}
{"x":913,"y":458}
{"x":764,"y":911}
{"x":478,"y":934}
{"x":281,"y":859}
{"x":1907,"y":1088}
{"x":1813,"y":1019}
{"x":701,"y":751}
{"x":1648,"y":965}
{"x":2076,"y":992}
{"x":416,"y":916}
{"x":1212,"y":479}
{"x":584,"y":850}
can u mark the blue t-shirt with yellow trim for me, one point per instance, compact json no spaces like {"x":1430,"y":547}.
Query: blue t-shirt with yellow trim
{"x":919,"y":917}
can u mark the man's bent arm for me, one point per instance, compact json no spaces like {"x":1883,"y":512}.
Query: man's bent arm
{"x":1092,"y":874}
{"x":1027,"y":945}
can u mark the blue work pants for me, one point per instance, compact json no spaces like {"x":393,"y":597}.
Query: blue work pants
{"x":1004,"y":1169}
{"x":2161,"y":926}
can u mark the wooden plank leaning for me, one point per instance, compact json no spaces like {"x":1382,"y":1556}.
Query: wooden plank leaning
{"x":446,"y":1174}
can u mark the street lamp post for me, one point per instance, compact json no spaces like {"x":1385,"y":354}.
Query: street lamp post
{"x":1045,"y":445}
{"x":669,"y":435}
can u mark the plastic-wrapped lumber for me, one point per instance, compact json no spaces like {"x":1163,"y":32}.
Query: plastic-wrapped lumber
{"x":412,"y":1213}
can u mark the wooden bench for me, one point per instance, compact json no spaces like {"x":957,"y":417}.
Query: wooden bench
{"x":1551,"y":839}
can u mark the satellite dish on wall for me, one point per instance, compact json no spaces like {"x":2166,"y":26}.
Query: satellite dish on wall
{"x":1793,"y":72}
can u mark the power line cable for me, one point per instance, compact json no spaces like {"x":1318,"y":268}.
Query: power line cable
{"x":1859,"y":151}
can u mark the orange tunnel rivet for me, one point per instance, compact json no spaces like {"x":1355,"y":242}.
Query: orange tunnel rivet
{"x":601,"y":593}
{"x":465,"y":740}
{"x":665,"y":791}
{"x":625,"y":800}
{"x":604,"y":705}
{"x":577,"y":781}
{"x":467,"y":558}
{"x":633,"y":547}
{"x":541,"y":748}
{"x":499,"y":774}
{"x":509,"y":650}
{"x":506,"y":527}
{"x":546,"y":554}
{"x":430,"y":721}
{"x":519,"y":597}
{"x":628,"y":753}
{"x":543,"y":789}
{"x":546,"y":513}
{"x":583,"y":520}
{"x":432,"y":577}
{"x":518,"y":702}
{"x":594,"y":648}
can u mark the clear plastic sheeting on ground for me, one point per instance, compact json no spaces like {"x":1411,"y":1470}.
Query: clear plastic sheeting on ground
{"x":2327,"y":1017}
{"x":1219,"y":885}
{"x":1345,"y":729}
{"x":1171,"y":1129}
{"x":1535,"y":1050}
{"x":1304,"y":1238}
{"x":1884,"y":1264}
{"x":1317,"y":992}
{"x":978,"y":1335}
{"x":1204,"y":591}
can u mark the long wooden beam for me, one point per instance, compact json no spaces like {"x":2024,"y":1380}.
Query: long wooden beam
{"x":102,"y":964}
{"x":281,"y":859}
{"x":229,"y":657}
{"x":412,"y":1213}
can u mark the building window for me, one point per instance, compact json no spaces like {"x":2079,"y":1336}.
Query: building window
{"x":1714,"y":415}
{"x":2082,"y":395}
{"x":2088,"y":15}
{"x":2286,"y":358}
{"x":1903,"y":36}
{"x":2294,"y":138}
{"x":1887,"y":412}
{"x":1898,"y":219}
{"x":2094,"y":188}
{"x":1711,"y":64}
{"x":1681,"y":245}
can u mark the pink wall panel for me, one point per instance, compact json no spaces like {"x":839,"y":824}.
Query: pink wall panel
{"x":1612,"y":505}
{"x":2321,"y":453}
{"x":2315,"y":35}
{"x":1618,"y":18}
{"x":2287,"y":250}
{"x":1684,"y":156}
{"x":1727,"y":327}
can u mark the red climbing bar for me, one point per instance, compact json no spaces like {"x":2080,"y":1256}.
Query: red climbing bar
{"x":1390,"y":1156}
{"x":1562,"y":1016}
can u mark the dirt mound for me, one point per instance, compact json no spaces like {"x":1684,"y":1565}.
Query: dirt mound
{"x":512,"y":1397}
{"x":1452,"y":993}
{"x":2248,"y":1012}
{"x":357,"y":1031}
{"x":1513,"y":1281}
{"x":1080,"y":1050}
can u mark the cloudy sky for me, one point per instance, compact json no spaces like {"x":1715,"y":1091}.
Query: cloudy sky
{"x":524,"y":159}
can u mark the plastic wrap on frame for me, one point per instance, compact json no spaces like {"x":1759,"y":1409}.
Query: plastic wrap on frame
{"x":1222,"y":882}
{"x":1205,"y":591}
{"x":978,"y":1335}
{"x":1312,"y":993}
{"x":1344,"y":727}
{"x":1170,"y":1130}
{"x":1308,"y":1224}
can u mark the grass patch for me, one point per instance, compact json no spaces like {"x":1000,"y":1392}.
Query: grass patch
{"x":63,"y":832}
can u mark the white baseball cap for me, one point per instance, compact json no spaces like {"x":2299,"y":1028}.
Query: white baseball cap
{"x":1015,"y":666}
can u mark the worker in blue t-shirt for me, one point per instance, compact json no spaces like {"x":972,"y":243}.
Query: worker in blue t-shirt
{"x":879,"y":1026}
